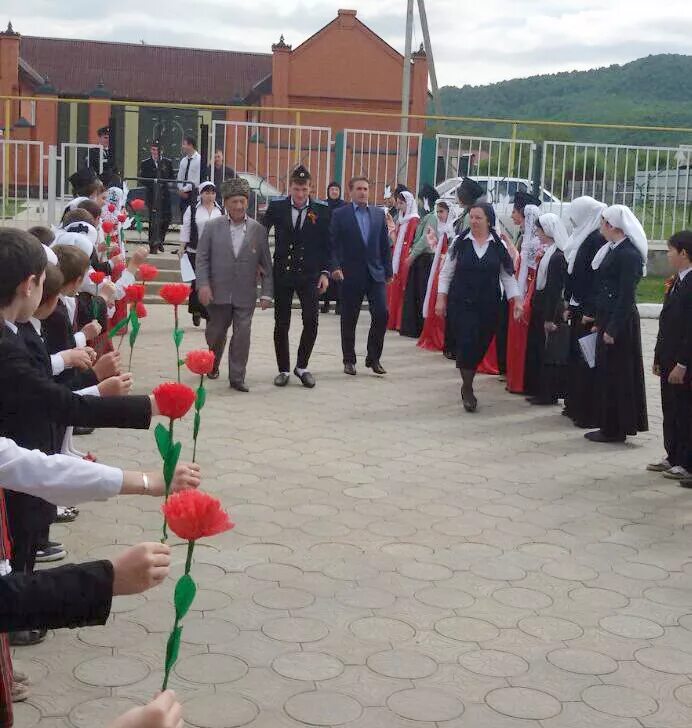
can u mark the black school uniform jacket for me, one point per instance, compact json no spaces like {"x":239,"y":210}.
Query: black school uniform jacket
{"x":300,"y":256}
{"x":69,"y":596}
{"x":674,"y":340}
{"x":549,"y":302}
{"x":581,"y":281}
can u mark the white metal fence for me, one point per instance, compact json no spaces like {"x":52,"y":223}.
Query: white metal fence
{"x":386,"y":158}
{"x":22,"y":183}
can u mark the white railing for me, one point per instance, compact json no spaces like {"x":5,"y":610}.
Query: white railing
{"x":22,"y":184}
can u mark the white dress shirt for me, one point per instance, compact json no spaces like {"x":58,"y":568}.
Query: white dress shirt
{"x":189,"y":181}
{"x":238,"y":230}
{"x":202,"y":217}
{"x":509,"y":282}
{"x":295,"y":210}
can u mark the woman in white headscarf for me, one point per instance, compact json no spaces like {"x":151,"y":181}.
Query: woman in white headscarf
{"x":524,"y":214}
{"x":542,"y":379}
{"x":619,"y":369}
{"x":586,"y":216}
{"x":404,"y":233}
{"x":441,"y":234}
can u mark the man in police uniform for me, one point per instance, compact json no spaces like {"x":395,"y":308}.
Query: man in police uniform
{"x":301,"y":265}
{"x":108,"y":175}
{"x":155,"y":172}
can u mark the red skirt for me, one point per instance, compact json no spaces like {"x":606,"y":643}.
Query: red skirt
{"x":517,"y":336}
{"x":396,"y":291}
{"x":432,"y":337}
{"x":489,"y":364}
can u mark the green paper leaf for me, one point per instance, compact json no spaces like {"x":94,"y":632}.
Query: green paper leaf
{"x":136,"y":326}
{"x":195,"y":430}
{"x":139,"y":226}
{"x":181,"y":362}
{"x":173,"y":647}
{"x":201,"y":397}
{"x":163,"y":440}
{"x":170,"y":461}
{"x":178,"y":338}
{"x":118,"y":327}
{"x":185,"y":591}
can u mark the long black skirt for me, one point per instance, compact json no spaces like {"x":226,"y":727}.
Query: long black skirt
{"x":193,"y":304}
{"x":412,"y":315}
{"x":501,"y":336}
{"x":620,"y":382}
{"x":474,"y":329}
{"x":535,"y":348}
{"x":581,"y":401}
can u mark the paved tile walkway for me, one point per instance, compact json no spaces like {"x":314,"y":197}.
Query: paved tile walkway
{"x":396,"y":562}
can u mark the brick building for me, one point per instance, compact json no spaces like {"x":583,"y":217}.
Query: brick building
{"x":344,"y":66}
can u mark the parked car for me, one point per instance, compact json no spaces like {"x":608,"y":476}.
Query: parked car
{"x":500,"y":192}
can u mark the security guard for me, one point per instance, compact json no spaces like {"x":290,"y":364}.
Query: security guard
{"x":109,"y":174}
{"x":301,"y":265}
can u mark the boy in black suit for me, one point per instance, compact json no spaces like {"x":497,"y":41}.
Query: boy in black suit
{"x":301,"y":265}
{"x":155,"y":173}
{"x":672,"y":361}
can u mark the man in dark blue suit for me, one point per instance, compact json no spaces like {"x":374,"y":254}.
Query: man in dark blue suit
{"x":361,"y":258}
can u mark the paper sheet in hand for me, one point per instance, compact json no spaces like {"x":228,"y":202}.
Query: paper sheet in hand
{"x":186,"y":271}
{"x":587,"y":344}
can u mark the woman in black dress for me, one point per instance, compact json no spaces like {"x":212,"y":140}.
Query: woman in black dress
{"x":620,"y":389}
{"x":586,"y":216}
{"x":333,"y":293}
{"x":477,"y":262}
{"x":546,"y":353}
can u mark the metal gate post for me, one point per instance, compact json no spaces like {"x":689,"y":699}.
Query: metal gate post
{"x":52,"y":181}
{"x":538,"y":170}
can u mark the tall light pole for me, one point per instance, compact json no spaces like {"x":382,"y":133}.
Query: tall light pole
{"x":402,"y":165}
{"x":429,"y":52}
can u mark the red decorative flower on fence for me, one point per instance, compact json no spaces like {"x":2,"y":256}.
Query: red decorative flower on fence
{"x":107,"y":226}
{"x":114,"y":251}
{"x":137,"y":204}
{"x":111,"y":207}
{"x":174,"y":399}
{"x":200,"y":362}
{"x":134,"y":292}
{"x":194,"y":514}
{"x":97,"y":276}
{"x":141,"y":310}
{"x":117,"y":269}
{"x":174,"y":293}
{"x":122,"y":217}
{"x":148,"y":272}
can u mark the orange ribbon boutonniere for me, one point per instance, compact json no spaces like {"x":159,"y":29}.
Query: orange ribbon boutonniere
{"x":312,"y":217}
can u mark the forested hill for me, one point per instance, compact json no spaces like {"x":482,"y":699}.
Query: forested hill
{"x":652,"y":91}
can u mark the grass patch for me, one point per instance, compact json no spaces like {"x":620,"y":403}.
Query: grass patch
{"x":11,"y":207}
{"x":651,"y":289}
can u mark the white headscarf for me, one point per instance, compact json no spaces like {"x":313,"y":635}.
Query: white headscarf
{"x":402,"y":227}
{"x":530,"y":245}
{"x":620,"y":216}
{"x":554,"y":229}
{"x":79,"y":240}
{"x":443,"y":228}
{"x":73,"y":204}
{"x":586,"y":214}
{"x":50,"y":254}
{"x":84,"y":228}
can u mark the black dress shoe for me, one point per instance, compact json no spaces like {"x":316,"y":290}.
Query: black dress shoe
{"x":350,"y":369}
{"x":196,"y":319}
{"x":325,"y":307}
{"x":82,"y":430}
{"x":599,"y":436}
{"x":306,"y":378}
{"x":376,"y":367}
{"x":213,"y":374}
{"x":281,"y":379}
{"x":337,"y":309}
{"x":161,"y":248}
{"x":468,"y":399}
{"x":449,"y":355}
{"x":27,"y":637}
{"x":239,"y":386}
{"x":153,"y":250}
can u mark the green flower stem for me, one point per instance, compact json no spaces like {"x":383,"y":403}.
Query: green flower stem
{"x":176,"y":624}
{"x":167,"y":483}
{"x":197,"y":411}
{"x":175,"y":339}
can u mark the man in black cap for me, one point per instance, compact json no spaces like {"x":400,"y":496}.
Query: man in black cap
{"x":301,"y":266}
{"x":83,"y":181}
{"x":469,"y":193}
{"x":155,"y":173}
{"x":108,"y":174}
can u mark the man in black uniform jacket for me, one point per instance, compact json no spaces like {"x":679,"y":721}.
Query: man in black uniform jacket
{"x":301,"y":264}
{"x":108,"y":174}
{"x":154,"y":173}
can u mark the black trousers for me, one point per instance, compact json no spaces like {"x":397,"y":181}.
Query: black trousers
{"x":352,"y":294}
{"x":308,"y":295}
{"x":193,"y":304}
{"x":675,"y":402}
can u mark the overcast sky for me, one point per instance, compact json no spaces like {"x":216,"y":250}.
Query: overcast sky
{"x":499,"y":41}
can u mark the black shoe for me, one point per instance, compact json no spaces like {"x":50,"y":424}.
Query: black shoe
{"x":541,"y":402}
{"x":161,"y":248}
{"x":468,"y":399}
{"x":66,"y":515}
{"x":376,"y":367}
{"x":325,"y":308}
{"x":599,"y":436}
{"x":565,"y":412}
{"x":239,"y":386}
{"x":281,"y":379}
{"x":450,"y":355}
{"x":337,"y":309}
{"x":27,"y":637}
{"x":48,"y":554}
{"x":306,"y":378}
{"x":82,"y":430}
{"x":350,"y":369}
{"x":153,"y":250}
{"x":196,"y":319}
{"x":213,"y":374}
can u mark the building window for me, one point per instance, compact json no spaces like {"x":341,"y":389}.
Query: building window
{"x":27,"y":109}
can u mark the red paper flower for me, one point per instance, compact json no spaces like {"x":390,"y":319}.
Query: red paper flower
{"x":114,"y":251}
{"x":101,"y":248}
{"x":122,"y":217}
{"x":141,"y":310}
{"x":148,"y":272}
{"x":137,"y":205}
{"x":194,"y":514}
{"x":200,"y":362}
{"x":117,"y":269}
{"x":134,"y":292}
{"x":174,"y":293}
{"x":97,"y":276}
{"x":173,"y":399}
{"x":108,"y":226}
{"x":111,"y":207}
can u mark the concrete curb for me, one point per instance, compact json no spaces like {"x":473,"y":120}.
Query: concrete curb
{"x":649,"y":310}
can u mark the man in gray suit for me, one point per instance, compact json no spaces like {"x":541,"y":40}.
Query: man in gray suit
{"x":231,"y":254}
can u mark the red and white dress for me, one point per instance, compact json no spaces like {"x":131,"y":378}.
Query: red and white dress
{"x":405,"y":233}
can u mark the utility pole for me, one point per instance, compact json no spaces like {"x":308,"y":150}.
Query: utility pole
{"x":402,"y":166}
{"x":429,"y":52}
